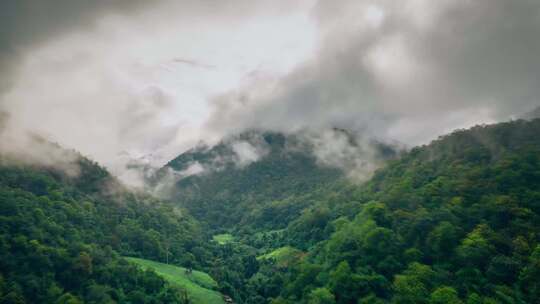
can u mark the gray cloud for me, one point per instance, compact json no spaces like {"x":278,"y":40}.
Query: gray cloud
{"x":407,"y":70}
{"x":390,"y":70}
{"x":86,"y":74}
{"x":31,"y":149}
{"x":356,"y":155}
{"x":24,"y":25}
{"x":27,"y":23}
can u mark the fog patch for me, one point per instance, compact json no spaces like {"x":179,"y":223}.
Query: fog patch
{"x":357,"y":154}
{"x":247,"y":153}
{"x":34,"y":150}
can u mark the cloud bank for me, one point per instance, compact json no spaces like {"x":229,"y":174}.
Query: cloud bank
{"x":128,"y":80}
{"x":145,"y":80}
{"x":406,"y":70}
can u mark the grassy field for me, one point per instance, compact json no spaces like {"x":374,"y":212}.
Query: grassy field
{"x":198,"y":284}
{"x":223,"y":239}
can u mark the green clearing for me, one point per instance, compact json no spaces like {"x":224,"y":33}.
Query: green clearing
{"x":223,"y":239}
{"x":283,"y":256}
{"x":199,"y":285}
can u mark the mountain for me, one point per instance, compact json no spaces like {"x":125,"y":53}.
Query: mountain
{"x":272,"y":218}
{"x":62,"y":235}
{"x":455,"y":221}
{"x":254,"y":177}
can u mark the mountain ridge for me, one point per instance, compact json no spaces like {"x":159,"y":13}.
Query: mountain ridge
{"x":278,"y":167}
{"x":453,"y":221}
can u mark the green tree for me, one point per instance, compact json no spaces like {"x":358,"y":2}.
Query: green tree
{"x":321,"y":296}
{"x":68,"y":298}
{"x":528,"y":277}
{"x":414,"y":284}
{"x":345,"y":285}
{"x":442,"y":239}
{"x":444,"y":295}
{"x":475,"y":248}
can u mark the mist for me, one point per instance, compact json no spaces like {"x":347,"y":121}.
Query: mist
{"x":132,"y":84}
{"x":408,"y":71}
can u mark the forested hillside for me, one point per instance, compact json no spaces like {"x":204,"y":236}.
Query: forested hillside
{"x":254,"y":194}
{"x":456,"y":221}
{"x":281,"y":177}
{"x":61,"y":238}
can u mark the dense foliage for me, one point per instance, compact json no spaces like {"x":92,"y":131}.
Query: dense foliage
{"x":61,"y":236}
{"x":456,"y":221}
{"x":230,"y":194}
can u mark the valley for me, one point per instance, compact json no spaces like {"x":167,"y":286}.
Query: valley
{"x":269,"y":152}
{"x":455,"y":221}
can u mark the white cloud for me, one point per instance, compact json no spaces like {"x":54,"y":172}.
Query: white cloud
{"x":156,"y":78}
{"x":246,"y":153}
{"x":415,"y":69}
{"x":117,"y":86}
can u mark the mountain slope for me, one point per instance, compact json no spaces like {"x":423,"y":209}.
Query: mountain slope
{"x":229,"y":183}
{"x":455,"y":221}
{"x":451,"y":222}
{"x":61,"y":236}
{"x":250,"y":179}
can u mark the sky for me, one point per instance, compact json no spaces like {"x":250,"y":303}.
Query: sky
{"x":125,"y":79}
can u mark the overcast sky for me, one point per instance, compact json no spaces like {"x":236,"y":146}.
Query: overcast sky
{"x":124,"y":78}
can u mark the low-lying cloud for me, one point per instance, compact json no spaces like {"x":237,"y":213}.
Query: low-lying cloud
{"x":33,"y":150}
{"x":126,"y":80}
{"x":405,"y":70}
{"x":131,"y":80}
{"x":353,"y":153}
